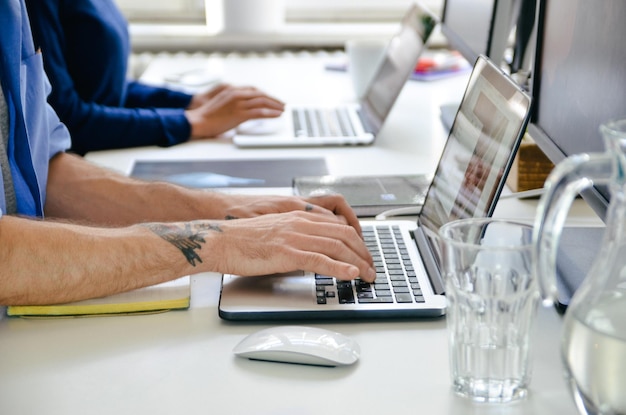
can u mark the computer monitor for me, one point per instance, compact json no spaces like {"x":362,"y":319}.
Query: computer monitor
{"x":525,"y":40}
{"x":577,"y":84}
{"x":478,"y":27}
{"x":579,"y":79}
{"x":475,"y":27}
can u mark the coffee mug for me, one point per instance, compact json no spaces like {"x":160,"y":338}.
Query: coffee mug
{"x":253,"y":16}
{"x":364,"y":57}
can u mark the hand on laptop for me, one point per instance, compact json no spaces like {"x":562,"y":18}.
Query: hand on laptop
{"x":225,"y":106}
{"x":278,"y":243}
{"x":246,"y":206}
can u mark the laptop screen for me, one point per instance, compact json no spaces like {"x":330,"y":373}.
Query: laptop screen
{"x":401,"y":56}
{"x":480,"y":149}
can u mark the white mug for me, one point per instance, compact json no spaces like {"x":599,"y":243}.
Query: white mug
{"x":364,"y":56}
{"x":253,"y":16}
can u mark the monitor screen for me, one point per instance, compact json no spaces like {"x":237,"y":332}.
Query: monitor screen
{"x":579,"y":79}
{"x":475,"y":27}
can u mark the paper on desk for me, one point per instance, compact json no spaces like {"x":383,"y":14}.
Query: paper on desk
{"x":169,"y":295}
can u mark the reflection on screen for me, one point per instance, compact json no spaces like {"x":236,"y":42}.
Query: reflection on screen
{"x":479,"y":150}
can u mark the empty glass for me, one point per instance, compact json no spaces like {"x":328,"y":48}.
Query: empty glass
{"x":492,"y":299}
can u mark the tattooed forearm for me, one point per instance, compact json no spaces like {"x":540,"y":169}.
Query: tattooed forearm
{"x":188,"y":238}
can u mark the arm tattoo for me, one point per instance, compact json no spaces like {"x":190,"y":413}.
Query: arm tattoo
{"x":188,"y":238}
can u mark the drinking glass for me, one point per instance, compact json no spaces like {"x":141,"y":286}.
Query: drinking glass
{"x":492,"y":300}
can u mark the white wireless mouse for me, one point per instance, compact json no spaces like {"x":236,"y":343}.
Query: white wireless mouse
{"x":300,"y":344}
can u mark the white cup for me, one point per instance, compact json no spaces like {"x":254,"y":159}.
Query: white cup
{"x":253,"y":16}
{"x":364,"y":56}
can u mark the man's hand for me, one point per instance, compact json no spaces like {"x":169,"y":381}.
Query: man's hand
{"x":272,"y":243}
{"x":247,"y":206}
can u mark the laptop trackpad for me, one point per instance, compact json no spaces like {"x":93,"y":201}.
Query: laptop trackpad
{"x":292,"y":288}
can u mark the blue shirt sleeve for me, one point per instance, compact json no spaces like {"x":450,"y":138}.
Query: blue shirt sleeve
{"x":142,"y":95}
{"x":85,"y":48}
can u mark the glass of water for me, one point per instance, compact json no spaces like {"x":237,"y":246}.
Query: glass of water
{"x":492,"y":300}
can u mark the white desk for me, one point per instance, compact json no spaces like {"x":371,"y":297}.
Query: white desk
{"x":182,"y":362}
{"x":409,"y":142}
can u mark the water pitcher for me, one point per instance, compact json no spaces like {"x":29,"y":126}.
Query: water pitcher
{"x":593,"y":346}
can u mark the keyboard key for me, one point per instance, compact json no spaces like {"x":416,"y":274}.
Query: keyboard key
{"x":399,"y":277}
{"x":383,"y":293}
{"x":378,"y":300}
{"x":404,"y":298}
{"x":364,"y":294}
{"x":346,"y":296}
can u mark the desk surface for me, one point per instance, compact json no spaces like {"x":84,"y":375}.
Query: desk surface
{"x":181,"y":362}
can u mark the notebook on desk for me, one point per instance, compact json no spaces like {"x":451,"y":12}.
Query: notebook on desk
{"x":356,"y":123}
{"x":467,"y":182}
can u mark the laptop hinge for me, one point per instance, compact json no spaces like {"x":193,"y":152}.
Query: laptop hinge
{"x":365,"y":122}
{"x":425,"y":249}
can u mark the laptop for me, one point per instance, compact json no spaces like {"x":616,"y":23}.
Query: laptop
{"x":372,"y":195}
{"x":356,"y":123}
{"x":471,"y":173}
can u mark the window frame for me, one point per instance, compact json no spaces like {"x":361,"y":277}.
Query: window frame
{"x":296,"y":11}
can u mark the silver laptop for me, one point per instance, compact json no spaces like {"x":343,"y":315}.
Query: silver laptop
{"x":357,"y":123}
{"x":471,"y":173}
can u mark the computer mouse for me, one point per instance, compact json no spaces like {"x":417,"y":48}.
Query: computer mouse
{"x":300,"y":344}
{"x":260,"y":126}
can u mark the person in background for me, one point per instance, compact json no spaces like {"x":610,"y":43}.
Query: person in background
{"x":71,"y":230}
{"x":85,"y":46}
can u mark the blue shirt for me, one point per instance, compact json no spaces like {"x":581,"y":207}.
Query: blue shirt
{"x":35,"y":134}
{"x":85,"y":46}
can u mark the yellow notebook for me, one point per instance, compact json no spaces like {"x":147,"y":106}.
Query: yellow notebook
{"x":169,"y":295}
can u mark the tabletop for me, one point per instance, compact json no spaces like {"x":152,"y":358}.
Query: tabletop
{"x":182,"y":362}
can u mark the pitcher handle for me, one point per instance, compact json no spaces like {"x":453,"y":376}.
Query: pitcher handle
{"x":573,"y":175}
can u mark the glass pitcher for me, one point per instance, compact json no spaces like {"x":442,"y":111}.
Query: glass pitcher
{"x":593,"y":345}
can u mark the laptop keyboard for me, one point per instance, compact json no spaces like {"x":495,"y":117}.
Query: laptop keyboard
{"x":396,"y":281}
{"x":322,"y":122}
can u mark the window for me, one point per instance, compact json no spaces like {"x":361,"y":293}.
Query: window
{"x":163,"y":11}
{"x":296,"y":11}
{"x":337,"y":11}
